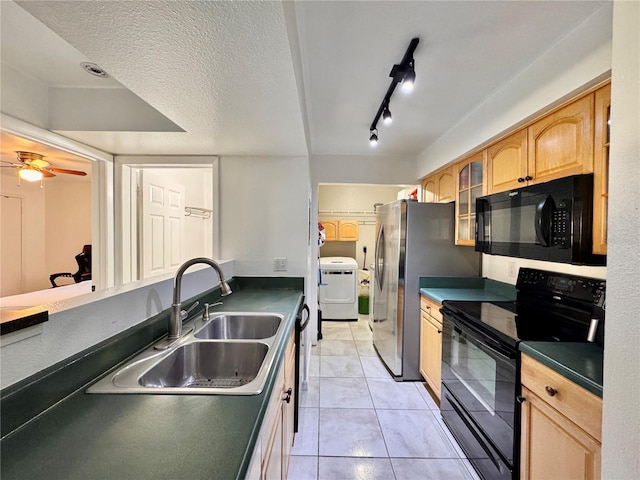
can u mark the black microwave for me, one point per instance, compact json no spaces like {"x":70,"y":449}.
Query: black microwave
{"x":549,"y":221}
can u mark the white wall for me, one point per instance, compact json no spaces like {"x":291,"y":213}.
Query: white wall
{"x":264,"y":214}
{"x":621,"y":426}
{"x":576,"y":60}
{"x":24,"y":97}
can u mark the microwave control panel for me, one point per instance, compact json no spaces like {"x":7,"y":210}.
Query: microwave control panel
{"x":561,"y":225}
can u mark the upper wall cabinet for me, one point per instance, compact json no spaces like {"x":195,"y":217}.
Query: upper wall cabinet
{"x":507,"y":163}
{"x":561,"y":144}
{"x":340,"y":230}
{"x":470,"y":185}
{"x":440,"y":187}
{"x":601,"y":169}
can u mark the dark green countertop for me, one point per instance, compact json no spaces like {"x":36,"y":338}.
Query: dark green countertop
{"x":138,"y":436}
{"x":579,"y":362}
{"x":466,"y":288}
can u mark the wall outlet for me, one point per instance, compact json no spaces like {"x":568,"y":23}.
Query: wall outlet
{"x":513,"y":270}
{"x":280,"y":264}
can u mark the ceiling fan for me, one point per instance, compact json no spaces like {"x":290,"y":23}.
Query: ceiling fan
{"x":32,"y":167}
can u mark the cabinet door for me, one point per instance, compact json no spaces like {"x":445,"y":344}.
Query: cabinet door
{"x":348,"y":230}
{"x":429,"y":189}
{"x":561,"y":144}
{"x":601,"y":169}
{"x":288,"y":406}
{"x":554,"y":447}
{"x":330,"y":229}
{"x":431,"y":352}
{"x":446,"y":185}
{"x":272,"y":467}
{"x":507,"y":163}
{"x":469,"y":186}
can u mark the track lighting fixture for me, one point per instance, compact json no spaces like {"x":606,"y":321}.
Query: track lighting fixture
{"x":403,"y":73}
{"x":373,"y":137}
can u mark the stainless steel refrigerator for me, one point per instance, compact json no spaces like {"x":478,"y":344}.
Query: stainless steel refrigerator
{"x":413,"y":239}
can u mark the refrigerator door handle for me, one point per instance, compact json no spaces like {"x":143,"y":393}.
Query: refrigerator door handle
{"x":379,"y":264}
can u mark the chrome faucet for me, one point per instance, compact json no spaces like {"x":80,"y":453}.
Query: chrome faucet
{"x":177,"y":314}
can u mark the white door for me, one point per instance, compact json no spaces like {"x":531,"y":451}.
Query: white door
{"x":162,"y":229}
{"x":11,"y":245}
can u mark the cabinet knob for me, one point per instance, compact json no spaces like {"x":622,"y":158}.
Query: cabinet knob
{"x":551,"y":391}
{"x":520,"y":179}
{"x":521,"y":399}
{"x":528,"y":177}
{"x":287,"y":397}
{"x":439,"y":331}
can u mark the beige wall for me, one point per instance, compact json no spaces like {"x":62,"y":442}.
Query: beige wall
{"x":67,"y":224}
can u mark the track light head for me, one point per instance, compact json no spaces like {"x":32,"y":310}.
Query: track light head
{"x":409,"y":78}
{"x":373,"y":138}
{"x":386,"y":116}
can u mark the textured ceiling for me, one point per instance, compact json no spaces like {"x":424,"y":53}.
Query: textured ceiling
{"x":246,"y":78}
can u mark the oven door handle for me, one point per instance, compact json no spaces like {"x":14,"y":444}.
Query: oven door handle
{"x":477,"y":335}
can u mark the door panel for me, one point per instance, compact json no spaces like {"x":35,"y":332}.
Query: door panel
{"x":162,"y":229}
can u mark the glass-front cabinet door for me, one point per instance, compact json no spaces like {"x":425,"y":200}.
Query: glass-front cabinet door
{"x":470,"y":185}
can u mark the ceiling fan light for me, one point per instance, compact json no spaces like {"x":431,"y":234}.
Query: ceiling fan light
{"x":30,"y":174}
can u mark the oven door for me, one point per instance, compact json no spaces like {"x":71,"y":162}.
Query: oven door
{"x":481,"y":374}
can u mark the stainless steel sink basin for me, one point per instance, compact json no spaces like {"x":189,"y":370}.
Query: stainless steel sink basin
{"x":240,"y":326}
{"x":208,"y":364}
{"x":229,"y":354}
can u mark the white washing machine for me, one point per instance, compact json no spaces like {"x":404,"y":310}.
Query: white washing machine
{"x":338,"y":296}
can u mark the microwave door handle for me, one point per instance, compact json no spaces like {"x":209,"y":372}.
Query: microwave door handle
{"x":544,"y":210}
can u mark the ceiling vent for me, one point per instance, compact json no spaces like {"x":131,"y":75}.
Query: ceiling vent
{"x":94,"y":69}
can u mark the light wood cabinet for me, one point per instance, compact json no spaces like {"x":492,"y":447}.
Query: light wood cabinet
{"x":469,"y":186}
{"x":561,"y":426}
{"x":507,"y":163}
{"x":272,"y":453}
{"x":440,"y":187}
{"x":561,"y":144}
{"x":431,"y":344}
{"x":340,"y":230}
{"x":602,"y":115}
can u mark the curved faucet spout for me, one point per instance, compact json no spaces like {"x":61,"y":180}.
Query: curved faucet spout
{"x":175,"y":320}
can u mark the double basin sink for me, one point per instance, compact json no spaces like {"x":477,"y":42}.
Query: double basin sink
{"x":230,"y":353}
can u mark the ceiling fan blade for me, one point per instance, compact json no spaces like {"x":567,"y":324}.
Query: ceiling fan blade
{"x":45,"y":173}
{"x":64,"y":170}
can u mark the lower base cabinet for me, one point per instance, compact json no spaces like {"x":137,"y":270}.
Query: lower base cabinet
{"x":431,"y":344}
{"x":272,"y":452}
{"x":561,"y":425}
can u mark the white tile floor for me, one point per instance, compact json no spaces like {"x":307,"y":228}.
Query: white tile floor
{"x":356,"y":422}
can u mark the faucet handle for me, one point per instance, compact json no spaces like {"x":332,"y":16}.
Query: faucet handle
{"x":185,"y":313}
{"x":205,"y":315}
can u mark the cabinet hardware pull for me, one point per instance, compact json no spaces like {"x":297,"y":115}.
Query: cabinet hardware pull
{"x":521,"y":399}
{"x":551,"y":391}
{"x":520,"y":179}
{"x":528,"y":177}
{"x":439,"y":331}
{"x":287,"y":397}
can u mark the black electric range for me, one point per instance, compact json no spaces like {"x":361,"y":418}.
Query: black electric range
{"x":481,"y":362}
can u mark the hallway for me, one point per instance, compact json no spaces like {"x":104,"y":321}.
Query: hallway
{"x":356,"y":422}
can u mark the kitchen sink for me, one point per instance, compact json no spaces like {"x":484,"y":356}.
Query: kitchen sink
{"x":240,"y":326}
{"x":208,"y":364}
{"x":230,"y":353}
